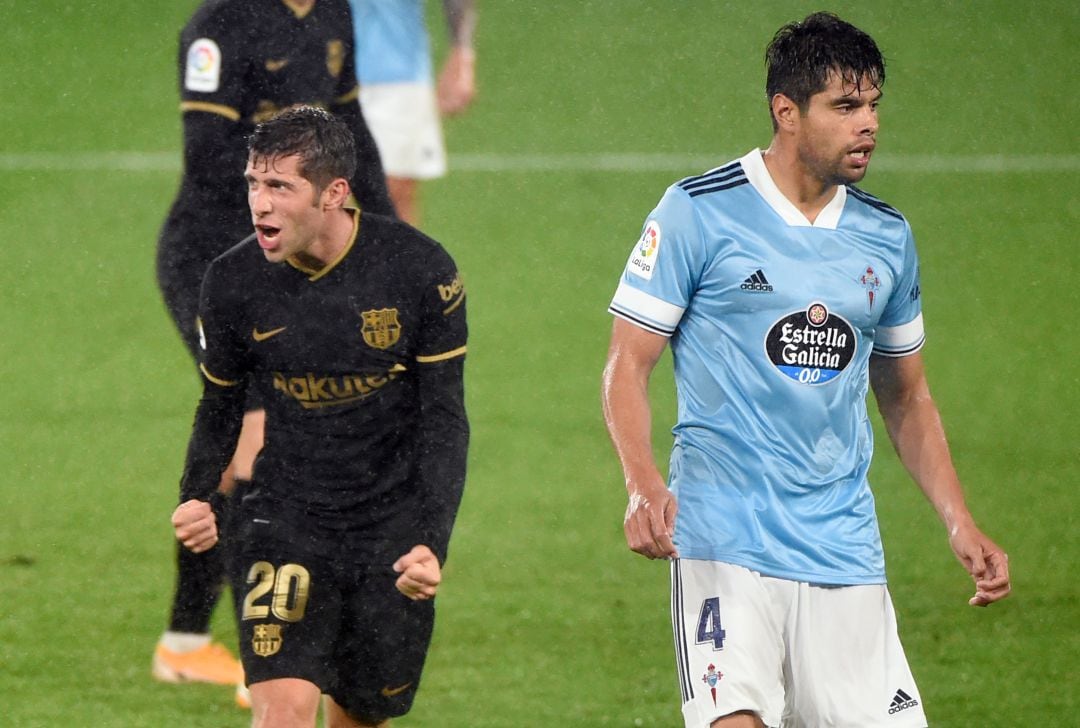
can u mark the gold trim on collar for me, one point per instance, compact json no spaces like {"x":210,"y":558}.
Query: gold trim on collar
{"x":314,"y":275}
{"x":298,"y":8}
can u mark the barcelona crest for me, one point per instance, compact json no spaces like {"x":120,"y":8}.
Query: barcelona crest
{"x":335,"y":57}
{"x":266,"y":640}
{"x":381,"y":328}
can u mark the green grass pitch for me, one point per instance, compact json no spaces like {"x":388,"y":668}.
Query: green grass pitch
{"x":545,"y":618}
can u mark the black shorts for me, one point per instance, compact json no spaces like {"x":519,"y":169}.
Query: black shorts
{"x":310,"y":612}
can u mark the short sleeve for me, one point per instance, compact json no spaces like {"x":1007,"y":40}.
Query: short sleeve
{"x":221,"y":348}
{"x":444,"y":330}
{"x":664,"y":267}
{"x":900,"y":330}
{"x":213,"y":66}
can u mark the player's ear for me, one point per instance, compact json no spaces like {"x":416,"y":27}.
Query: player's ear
{"x":336,"y":193}
{"x":785,"y":112}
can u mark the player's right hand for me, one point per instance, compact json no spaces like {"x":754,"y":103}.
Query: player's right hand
{"x":195,"y":525}
{"x":650,"y":521}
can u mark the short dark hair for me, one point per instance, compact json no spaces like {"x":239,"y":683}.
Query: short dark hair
{"x":323,"y":142}
{"x":802,"y":55}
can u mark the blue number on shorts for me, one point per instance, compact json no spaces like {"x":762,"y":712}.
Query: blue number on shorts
{"x":708,"y":626}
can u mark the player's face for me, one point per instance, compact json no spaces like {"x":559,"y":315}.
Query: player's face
{"x":837,"y":134}
{"x":286,"y":209}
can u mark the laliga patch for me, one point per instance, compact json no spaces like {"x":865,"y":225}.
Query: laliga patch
{"x":811,"y":346}
{"x":643,"y":259}
{"x":203,"y":71}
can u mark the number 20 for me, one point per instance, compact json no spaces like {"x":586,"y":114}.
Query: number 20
{"x":291,"y":580}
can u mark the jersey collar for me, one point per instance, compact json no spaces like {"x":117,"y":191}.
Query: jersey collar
{"x":314,"y":275}
{"x":760,"y":179}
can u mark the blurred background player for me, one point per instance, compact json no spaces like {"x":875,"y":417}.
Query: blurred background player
{"x":400,"y":103}
{"x":240,"y":62}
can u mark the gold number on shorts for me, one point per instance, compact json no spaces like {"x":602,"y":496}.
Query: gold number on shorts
{"x":290,"y":583}
{"x":292,"y":580}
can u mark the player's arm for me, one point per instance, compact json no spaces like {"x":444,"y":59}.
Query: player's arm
{"x":213,"y":439}
{"x":457,"y":81}
{"x":650,"y":514}
{"x":914,"y":426}
{"x":213,"y":151}
{"x":214,"y":63}
{"x":218,"y":417}
{"x":439,"y":368}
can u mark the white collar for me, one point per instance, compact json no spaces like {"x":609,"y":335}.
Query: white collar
{"x":760,"y":179}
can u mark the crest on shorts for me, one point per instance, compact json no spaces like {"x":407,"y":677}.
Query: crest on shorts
{"x":266,"y":640}
{"x":711,"y":678}
{"x":335,"y":57}
{"x":381,"y":328}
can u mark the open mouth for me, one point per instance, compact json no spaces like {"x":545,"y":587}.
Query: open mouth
{"x":267,"y":235}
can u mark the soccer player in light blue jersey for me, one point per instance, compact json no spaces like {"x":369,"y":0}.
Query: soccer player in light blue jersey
{"x":786,"y":293}
{"x":401,"y":102}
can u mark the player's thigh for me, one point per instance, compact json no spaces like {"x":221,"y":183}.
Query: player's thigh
{"x":729,"y":647}
{"x":287,"y":602}
{"x":381,"y":649}
{"x":847,"y":665}
{"x":404,"y":121}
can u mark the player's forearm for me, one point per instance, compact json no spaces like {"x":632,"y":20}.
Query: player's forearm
{"x":628,"y":417}
{"x":460,"y":22}
{"x":915,"y":428}
{"x":444,"y":444}
{"x":213,"y":438}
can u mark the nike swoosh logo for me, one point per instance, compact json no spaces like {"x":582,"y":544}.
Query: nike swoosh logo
{"x":264,"y":335}
{"x":390,"y":692}
{"x":275,"y":66}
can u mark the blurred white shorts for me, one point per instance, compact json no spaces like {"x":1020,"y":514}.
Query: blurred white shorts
{"x":404,"y":119}
{"x":798,"y":655}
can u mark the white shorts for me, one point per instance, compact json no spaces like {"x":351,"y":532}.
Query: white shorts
{"x":798,"y":655}
{"x":404,"y":119}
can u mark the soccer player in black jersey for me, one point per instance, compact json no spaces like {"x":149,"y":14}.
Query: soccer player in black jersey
{"x":240,"y":62}
{"x":352,"y":327}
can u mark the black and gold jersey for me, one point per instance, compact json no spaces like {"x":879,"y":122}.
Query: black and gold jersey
{"x":359,"y":366}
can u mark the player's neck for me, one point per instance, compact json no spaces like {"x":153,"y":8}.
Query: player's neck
{"x":335,"y":236}
{"x":804,"y":189}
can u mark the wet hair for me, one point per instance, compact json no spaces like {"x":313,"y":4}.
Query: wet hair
{"x":802,"y":55}
{"x":323,"y":142}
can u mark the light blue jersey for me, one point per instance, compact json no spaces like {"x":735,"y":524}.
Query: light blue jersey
{"x":392,"y":44}
{"x":772,"y":322}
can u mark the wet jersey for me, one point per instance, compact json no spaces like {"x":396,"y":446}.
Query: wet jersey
{"x":359,"y":366}
{"x":772,"y":322}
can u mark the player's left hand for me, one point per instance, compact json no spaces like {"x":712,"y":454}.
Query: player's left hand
{"x":987,"y":563}
{"x":420,"y":573}
{"x":457,"y":81}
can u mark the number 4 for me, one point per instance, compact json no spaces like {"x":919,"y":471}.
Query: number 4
{"x":708,"y":626}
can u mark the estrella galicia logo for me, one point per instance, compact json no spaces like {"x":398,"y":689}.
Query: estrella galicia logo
{"x":811,"y":346}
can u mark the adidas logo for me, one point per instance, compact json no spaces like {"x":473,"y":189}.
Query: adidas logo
{"x":757,"y":282}
{"x":901,"y":701}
